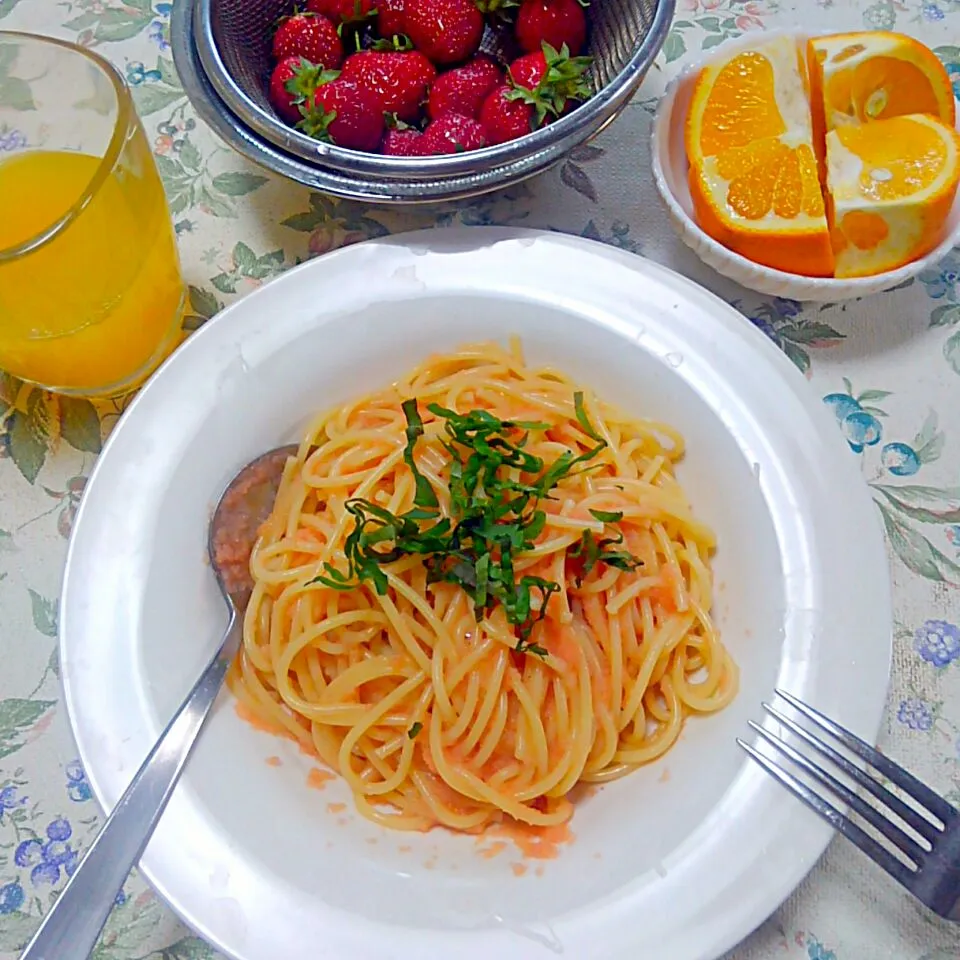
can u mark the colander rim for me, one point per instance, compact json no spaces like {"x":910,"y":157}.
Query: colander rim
{"x":368,"y":190}
{"x":584,"y":120}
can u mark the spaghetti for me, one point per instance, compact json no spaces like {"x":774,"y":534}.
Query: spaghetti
{"x":477,"y":589}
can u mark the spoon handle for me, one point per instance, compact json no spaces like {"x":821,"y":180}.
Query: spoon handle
{"x":70,"y":930}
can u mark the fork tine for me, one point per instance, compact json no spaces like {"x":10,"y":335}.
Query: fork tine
{"x":876,"y":819}
{"x":834,"y":817}
{"x":926,"y":828}
{"x":906,"y":781}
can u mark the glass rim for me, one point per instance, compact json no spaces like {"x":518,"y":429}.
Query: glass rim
{"x":107,"y":162}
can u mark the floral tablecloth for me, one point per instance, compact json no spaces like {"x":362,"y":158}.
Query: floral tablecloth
{"x":888,"y":367}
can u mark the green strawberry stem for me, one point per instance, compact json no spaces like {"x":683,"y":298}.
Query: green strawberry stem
{"x":307,"y":78}
{"x":393,"y":122}
{"x":500,"y":10}
{"x":316,"y":123}
{"x":297,"y":11}
{"x":400,"y":43}
{"x":359,"y":15}
{"x":563,"y":81}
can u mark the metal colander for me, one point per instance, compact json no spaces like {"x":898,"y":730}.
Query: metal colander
{"x":222,"y":51}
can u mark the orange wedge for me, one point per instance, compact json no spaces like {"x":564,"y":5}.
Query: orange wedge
{"x":753,"y":168}
{"x":891,"y":186}
{"x":859,"y":77}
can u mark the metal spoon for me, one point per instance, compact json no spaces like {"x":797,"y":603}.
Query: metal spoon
{"x":70,"y":930}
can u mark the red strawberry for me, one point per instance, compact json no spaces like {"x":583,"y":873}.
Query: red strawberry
{"x":292,"y":82}
{"x":343,"y":113}
{"x":447,"y":31}
{"x":390,"y":21}
{"x":310,"y":36}
{"x":344,"y":11}
{"x":504,"y":118}
{"x":556,"y":22}
{"x":399,"y":142}
{"x":528,"y":70}
{"x":452,"y":133}
{"x":399,"y":79}
{"x":464,"y":89}
{"x":550,"y":81}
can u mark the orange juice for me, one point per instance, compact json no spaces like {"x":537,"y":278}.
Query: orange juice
{"x":97,"y":305}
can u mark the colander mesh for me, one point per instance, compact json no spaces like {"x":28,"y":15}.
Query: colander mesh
{"x":243,"y":30}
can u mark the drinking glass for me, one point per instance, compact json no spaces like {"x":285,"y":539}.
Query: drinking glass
{"x":90,"y":287}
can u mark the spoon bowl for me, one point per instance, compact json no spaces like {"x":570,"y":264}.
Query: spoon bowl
{"x":237,"y":518}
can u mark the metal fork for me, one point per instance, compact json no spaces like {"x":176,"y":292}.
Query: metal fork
{"x":930,"y":869}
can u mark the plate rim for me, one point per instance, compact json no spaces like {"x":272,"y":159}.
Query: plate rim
{"x":431,"y":241}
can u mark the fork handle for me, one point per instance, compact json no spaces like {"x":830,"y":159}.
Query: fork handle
{"x":938,"y":882}
{"x":71,"y":928}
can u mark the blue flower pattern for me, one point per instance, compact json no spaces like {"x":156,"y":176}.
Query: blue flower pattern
{"x":159,"y":30}
{"x":137,"y":74}
{"x":11,"y":140}
{"x":817,"y":951}
{"x":932,"y":13}
{"x":941,"y":281}
{"x":938,"y":642}
{"x":47,"y":858}
{"x":953,"y":537}
{"x":953,"y":72}
{"x":787,"y":308}
{"x":10,"y":800}
{"x":78,"y":789}
{"x":770,"y":315}
{"x":900,"y":459}
{"x":860,"y":427}
{"x":11,"y":897}
{"x":915,"y":714}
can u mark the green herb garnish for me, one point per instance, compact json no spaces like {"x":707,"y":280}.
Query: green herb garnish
{"x":424,"y":496}
{"x":495,"y":489}
{"x":524,"y":646}
{"x":414,"y":730}
{"x":608,"y":516}
{"x":583,"y":420}
{"x":592,"y":551}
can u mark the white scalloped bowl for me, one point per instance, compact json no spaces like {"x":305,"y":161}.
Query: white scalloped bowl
{"x":670,"y":175}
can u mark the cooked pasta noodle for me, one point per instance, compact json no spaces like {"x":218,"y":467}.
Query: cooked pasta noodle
{"x":431,"y":715}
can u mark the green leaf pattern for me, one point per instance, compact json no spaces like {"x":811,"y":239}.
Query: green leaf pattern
{"x":17,"y":717}
{"x":239,"y":226}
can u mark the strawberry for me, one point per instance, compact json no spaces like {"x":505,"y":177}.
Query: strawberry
{"x":343,"y":113}
{"x":399,"y":79}
{"x":344,"y":11}
{"x":550,"y":81}
{"x":311,"y":36}
{"x":390,"y":21}
{"x":452,"y":133}
{"x":446,"y":31}
{"x":463,"y":89}
{"x":504,"y":118}
{"x":527,"y":71}
{"x":402,"y":142}
{"x":556,"y":22}
{"x":293,"y":80}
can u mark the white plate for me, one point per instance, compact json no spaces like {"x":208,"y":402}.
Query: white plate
{"x":678,"y":860}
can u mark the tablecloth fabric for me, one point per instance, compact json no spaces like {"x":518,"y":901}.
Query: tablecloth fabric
{"x":888,"y":366}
